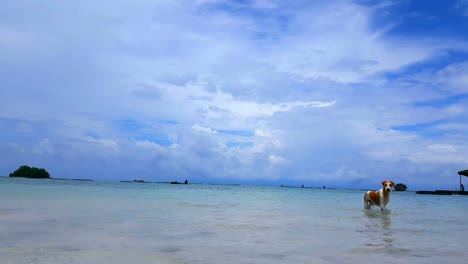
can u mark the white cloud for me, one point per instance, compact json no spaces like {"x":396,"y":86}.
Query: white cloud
{"x":275,"y":159}
{"x":454,"y":78}
{"x":44,"y":147}
{"x":442,"y":148}
{"x":441,"y":154}
{"x":147,"y":144}
{"x":105,"y":143}
{"x":197,"y":127}
{"x":261,"y":133}
{"x":318,"y":51}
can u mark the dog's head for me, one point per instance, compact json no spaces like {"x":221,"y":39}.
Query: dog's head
{"x":388,"y":185}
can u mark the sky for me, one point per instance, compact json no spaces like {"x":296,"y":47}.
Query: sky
{"x":343,"y":93}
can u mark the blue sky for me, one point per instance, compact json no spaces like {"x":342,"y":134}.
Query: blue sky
{"x":337,"y":93}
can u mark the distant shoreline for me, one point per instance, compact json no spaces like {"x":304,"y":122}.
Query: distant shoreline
{"x":58,"y":179}
{"x":195,"y":183}
{"x":217,"y":184}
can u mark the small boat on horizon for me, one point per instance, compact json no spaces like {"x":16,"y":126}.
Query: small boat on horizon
{"x":176,"y":182}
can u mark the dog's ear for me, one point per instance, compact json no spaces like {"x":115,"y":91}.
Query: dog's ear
{"x":383,"y":183}
{"x":392,"y":183}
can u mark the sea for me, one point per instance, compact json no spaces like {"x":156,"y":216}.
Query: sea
{"x":105,"y":222}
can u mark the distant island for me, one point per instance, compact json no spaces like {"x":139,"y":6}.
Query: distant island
{"x":30,"y":172}
{"x":400,"y":187}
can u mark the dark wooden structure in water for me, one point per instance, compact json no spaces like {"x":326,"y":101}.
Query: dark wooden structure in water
{"x":460,"y":191}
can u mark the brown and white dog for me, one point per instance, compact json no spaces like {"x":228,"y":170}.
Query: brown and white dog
{"x":380,"y":197}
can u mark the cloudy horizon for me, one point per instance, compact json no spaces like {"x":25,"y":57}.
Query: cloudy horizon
{"x":338,"y":93}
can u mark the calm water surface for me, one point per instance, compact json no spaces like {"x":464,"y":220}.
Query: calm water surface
{"x":51,"y":221}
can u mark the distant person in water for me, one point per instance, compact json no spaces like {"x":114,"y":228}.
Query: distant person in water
{"x":186,"y":182}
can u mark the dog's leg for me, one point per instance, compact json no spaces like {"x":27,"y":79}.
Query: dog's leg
{"x":383,"y":206}
{"x":367,"y":203}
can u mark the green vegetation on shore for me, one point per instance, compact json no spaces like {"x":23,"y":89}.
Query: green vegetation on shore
{"x":400,"y":187}
{"x":30,"y":172}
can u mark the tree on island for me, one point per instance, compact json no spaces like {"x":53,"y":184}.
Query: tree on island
{"x":30,"y":172}
{"x":400,"y":187}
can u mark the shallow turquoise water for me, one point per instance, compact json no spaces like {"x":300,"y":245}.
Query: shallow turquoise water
{"x":50,"y":221}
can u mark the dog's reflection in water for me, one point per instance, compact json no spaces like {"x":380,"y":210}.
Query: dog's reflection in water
{"x":379,"y":228}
